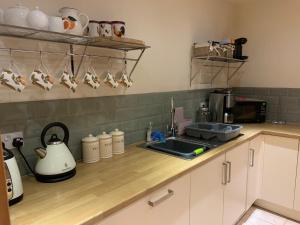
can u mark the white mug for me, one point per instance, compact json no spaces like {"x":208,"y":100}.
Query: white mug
{"x":93,"y":28}
{"x":41,"y":79}
{"x":12,"y":80}
{"x":110,"y":80}
{"x":68,"y":80}
{"x":56,"y":24}
{"x":105,"y":29}
{"x":91,"y":80}
{"x":125,"y":80}
{"x":118,"y":28}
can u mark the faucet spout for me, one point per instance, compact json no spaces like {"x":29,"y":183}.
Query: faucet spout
{"x":173,"y":126}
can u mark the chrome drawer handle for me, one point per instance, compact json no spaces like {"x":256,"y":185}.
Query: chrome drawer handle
{"x":155,"y":202}
{"x":229,"y":172}
{"x":224,"y":173}
{"x":252,"y":157}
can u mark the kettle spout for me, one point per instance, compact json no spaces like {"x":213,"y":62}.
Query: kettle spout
{"x":41,"y":152}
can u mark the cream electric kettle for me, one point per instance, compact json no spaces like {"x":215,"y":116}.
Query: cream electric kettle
{"x":56,"y":162}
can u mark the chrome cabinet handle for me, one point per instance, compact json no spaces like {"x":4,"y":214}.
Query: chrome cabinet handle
{"x":229,"y":172}
{"x":252,"y":153}
{"x":155,"y":202}
{"x":224,"y":173}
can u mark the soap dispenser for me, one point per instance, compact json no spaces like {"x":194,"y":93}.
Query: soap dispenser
{"x":149,"y":131}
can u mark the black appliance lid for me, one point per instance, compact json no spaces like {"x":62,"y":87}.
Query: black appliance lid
{"x":54,"y":140}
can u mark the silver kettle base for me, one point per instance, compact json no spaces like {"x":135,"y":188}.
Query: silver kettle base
{"x":56,"y":177}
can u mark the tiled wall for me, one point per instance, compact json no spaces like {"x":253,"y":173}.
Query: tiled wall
{"x":283,"y":103}
{"x":130,"y":113}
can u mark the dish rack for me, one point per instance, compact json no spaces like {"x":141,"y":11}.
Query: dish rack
{"x":218,"y":61}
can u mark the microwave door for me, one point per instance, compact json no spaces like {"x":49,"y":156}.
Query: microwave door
{"x":246,"y":112}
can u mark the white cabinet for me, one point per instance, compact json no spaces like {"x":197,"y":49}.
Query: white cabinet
{"x":134,"y":214}
{"x":169,"y":205}
{"x":171,"y":209}
{"x":297,"y":193}
{"x":218,"y":189}
{"x":279,"y":170}
{"x":235,"y":189}
{"x":255,"y":159}
{"x":206,"y":206}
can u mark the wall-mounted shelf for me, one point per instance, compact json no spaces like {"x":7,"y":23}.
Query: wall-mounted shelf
{"x":120,"y":44}
{"x":221,"y":63}
{"x":124,"y":44}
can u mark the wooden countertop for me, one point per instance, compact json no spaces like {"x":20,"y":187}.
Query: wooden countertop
{"x":105,"y":187}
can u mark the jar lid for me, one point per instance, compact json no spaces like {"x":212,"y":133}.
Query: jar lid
{"x":90,"y":138}
{"x":117,"y":132}
{"x":118,"y":22}
{"x":104,"y":135}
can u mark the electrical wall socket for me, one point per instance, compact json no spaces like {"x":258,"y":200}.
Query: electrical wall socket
{"x":8,"y":138}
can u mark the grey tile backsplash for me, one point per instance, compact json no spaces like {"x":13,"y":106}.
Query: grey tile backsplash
{"x":131,"y":113}
{"x":283,"y":103}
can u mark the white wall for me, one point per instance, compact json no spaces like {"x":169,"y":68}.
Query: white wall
{"x":273,"y":31}
{"x":168,"y":26}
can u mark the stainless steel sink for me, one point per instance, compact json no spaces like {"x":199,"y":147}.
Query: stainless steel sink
{"x":187,"y":148}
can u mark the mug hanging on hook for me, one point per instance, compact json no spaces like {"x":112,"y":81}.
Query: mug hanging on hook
{"x":125,"y":80}
{"x":67,"y":78}
{"x":90,"y":77}
{"x":11,"y":76}
{"x":109,"y":78}
{"x":40,"y":76}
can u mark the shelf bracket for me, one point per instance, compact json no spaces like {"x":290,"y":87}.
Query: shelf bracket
{"x":136,"y":62}
{"x":72,"y":59}
{"x":204,"y":63}
{"x":235,"y":72}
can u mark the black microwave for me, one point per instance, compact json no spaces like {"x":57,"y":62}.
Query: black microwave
{"x":247,"y":110}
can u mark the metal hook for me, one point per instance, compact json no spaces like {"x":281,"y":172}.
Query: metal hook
{"x":109,"y":64}
{"x":11,"y":58}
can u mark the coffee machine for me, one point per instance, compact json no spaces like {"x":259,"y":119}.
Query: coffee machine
{"x":221,"y":103}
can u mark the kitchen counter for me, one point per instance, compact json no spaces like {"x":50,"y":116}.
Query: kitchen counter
{"x":103,"y":188}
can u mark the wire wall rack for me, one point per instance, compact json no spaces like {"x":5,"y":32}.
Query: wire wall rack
{"x":219,"y":64}
{"x":119,"y":44}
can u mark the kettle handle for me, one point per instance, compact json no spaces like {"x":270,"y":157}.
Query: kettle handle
{"x":55,"y":124}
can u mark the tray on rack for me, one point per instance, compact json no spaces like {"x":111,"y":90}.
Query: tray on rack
{"x":223,"y":132}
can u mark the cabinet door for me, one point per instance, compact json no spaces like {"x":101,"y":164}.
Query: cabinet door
{"x":134,"y":214}
{"x":206,"y":207}
{"x":297,"y":194}
{"x":279,"y":172}
{"x":235,"y":189}
{"x":169,"y":205}
{"x":255,"y":159}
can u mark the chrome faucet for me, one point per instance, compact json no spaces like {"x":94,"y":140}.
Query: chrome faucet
{"x":173,"y":130}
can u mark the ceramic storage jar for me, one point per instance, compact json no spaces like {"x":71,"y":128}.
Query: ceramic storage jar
{"x":117,"y":141}
{"x":90,"y":149}
{"x":105,"y":143}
